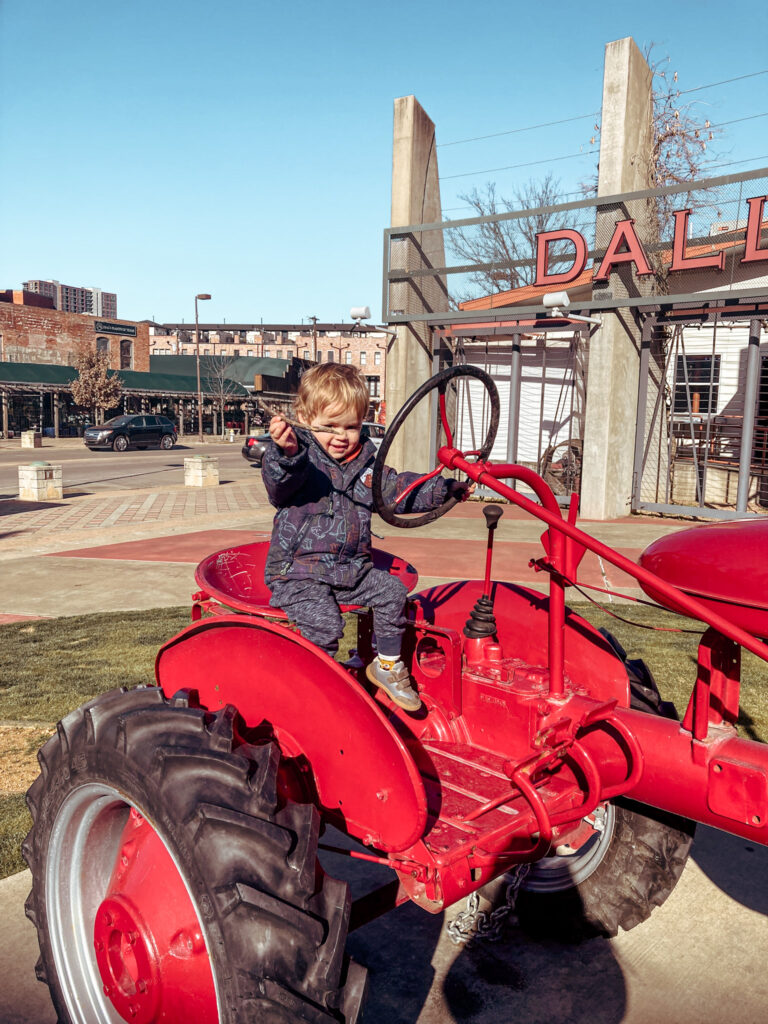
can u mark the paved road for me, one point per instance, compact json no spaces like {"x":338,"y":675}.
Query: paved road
{"x":86,"y":472}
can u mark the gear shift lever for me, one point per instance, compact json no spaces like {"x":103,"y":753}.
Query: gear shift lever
{"x":481,"y":621}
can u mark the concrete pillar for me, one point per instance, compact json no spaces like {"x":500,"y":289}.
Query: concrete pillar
{"x":626,"y":137}
{"x":56,"y":414}
{"x":4,"y":401}
{"x":40,"y":481}
{"x":201,"y":471}
{"x":415,"y":200}
{"x":180,"y":417}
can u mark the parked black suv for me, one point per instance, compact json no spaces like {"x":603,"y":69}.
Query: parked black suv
{"x":122,"y":432}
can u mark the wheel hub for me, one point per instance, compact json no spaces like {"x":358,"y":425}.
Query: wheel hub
{"x":150,"y":951}
{"x":127,"y":962}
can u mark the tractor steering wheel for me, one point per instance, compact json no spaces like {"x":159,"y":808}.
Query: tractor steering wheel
{"x":440,"y":382}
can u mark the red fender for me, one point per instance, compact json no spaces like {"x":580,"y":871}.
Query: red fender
{"x":362,"y":770}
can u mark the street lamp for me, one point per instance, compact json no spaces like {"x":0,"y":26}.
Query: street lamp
{"x":340,"y":346}
{"x":197,"y":366}
{"x":314,"y":336}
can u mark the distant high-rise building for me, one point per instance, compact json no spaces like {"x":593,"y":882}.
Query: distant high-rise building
{"x":71,"y":299}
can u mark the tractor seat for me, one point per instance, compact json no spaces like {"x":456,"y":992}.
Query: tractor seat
{"x":234,"y":577}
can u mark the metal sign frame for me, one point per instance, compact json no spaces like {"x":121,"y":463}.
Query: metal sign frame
{"x":393,"y":275}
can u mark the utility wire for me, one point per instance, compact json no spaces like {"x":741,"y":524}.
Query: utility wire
{"x":511,"y":167}
{"x":563,"y":195}
{"x":516,"y":131}
{"x":583,"y":117}
{"x":735,"y":163}
{"x":737,"y":120}
{"x":711,"y":85}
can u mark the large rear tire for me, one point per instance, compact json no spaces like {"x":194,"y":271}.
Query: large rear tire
{"x":629,"y":866}
{"x":167,"y":882}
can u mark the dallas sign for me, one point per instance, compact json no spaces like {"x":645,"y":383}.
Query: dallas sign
{"x":626,"y":247}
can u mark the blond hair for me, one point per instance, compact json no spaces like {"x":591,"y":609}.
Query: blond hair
{"x":332,"y":384}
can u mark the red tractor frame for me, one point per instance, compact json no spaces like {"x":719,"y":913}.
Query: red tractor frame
{"x":174,"y":849}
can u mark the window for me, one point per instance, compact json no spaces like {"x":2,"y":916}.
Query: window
{"x":377,"y":357}
{"x":278,"y":353}
{"x":126,"y":354}
{"x":330,"y":355}
{"x":374,"y":384}
{"x":697,"y":382}
{"x":306,"y":353}
{"x":363,"y":358}
{"x":762,"y":398}
{"x":102,"y":346}
{"x":347,"y":356}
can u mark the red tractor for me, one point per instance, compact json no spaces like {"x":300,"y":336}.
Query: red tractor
{"x":174,"y":850}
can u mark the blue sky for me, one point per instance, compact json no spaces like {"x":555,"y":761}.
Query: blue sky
{"x":159,"y":149}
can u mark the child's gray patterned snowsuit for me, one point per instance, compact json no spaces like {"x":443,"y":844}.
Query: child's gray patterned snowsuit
{"x":320,"y":552}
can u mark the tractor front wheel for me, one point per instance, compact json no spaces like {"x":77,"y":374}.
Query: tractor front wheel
{"x":167,"y":882}
{"x":629,"y":865}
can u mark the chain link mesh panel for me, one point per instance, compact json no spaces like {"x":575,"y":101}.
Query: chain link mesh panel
{"x":490,"y":257}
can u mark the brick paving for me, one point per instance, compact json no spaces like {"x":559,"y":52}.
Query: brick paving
{"x":94,"y":513}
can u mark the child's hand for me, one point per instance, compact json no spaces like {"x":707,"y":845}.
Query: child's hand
{"x":283,"y":435}
{"x":460,"y":490}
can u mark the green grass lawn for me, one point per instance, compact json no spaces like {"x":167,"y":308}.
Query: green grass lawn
{"x":49,"y":667}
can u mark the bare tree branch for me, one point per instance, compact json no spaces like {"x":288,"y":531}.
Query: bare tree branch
{"x":510,"y":245}
{"x":221,"y":386}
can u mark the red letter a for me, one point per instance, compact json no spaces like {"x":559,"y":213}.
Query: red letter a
{"x":624,"y":234}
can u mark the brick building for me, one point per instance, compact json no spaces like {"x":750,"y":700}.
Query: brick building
{"x":37,"y":351}
{"x":30,"y":333}
{"x":360,"y":346}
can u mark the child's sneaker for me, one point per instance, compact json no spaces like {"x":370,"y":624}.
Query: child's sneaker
{"x":392,"y":676}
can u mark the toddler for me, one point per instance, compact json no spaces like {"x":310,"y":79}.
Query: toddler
{"x":319,"y":480}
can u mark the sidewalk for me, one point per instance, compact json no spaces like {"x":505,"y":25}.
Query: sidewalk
{"x":138,"y":549}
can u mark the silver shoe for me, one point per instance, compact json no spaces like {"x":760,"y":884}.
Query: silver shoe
{"x":396,"y":682}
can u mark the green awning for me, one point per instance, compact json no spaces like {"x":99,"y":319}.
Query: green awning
{"x":51,"y":376}
{"x":241,"y":368}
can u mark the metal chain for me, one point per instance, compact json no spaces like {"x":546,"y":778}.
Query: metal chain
{"x":472,"y":923}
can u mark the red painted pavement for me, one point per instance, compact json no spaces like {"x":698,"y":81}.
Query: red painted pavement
{"x":466,"y":560}
{"x":432,"y":556}
{"x":181,"y":547}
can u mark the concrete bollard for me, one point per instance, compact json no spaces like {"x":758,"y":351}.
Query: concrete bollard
{"x":31,"y":439}
{"x":201,"y":471}
{"x":40,"y":481}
